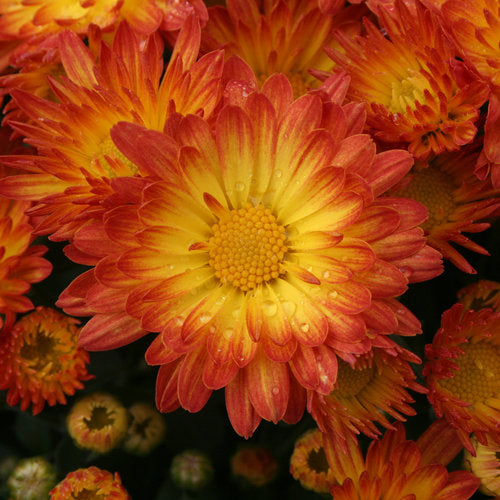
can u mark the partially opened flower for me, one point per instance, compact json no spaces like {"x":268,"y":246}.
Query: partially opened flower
{"x":76,"y":157}
{"x":191,"y":470}
{"x":308,"y":463}
{"x":31,"y":479}
{"x":98,"y":422}
{"x":463,"y":373}
{"x":280,"y":36}
{"x":483,"y":293}
{"x":421,"y":96}
{"x":40,"y":361}
{"x":263,"y":255}
{"x":91,"y":482}
{"x":393,"y":469}
{"x":256,"y":465}
{"x":485,"y":464}
{"x":367,"y":391}
{"x":146,"y":430}
{"x":457,"y":202}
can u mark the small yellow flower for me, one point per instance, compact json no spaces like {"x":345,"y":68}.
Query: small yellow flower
{"x":31,"y":479}
{"x":146,"y":430}
{"x":308,"y":463}
{"x":98,"y":422}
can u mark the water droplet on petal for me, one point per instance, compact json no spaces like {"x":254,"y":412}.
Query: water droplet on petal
{"x":236,"y":313}
{"x":205,"y":318}
{"x":289,"y":307}
{"x":212,"y":329}
{"x":228,"y":333}
{"x":275,"y":390}
{"x":239,"y":186}
{"x":333,"y":295}
{"x":326,"y":274}
{"x":269,"y":308}
{"x":220,"y":300}
{"x":179,"y":321}
{"x":278,"y":173}
{"x":305,"y":327}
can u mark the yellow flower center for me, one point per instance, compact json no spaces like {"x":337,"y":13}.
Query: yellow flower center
{"x":41,"y":353}
{"x":247,"y":247}
{"x":101,"y":166}
{"x":434,"y":189}
{"x":316,"y":460}
{"x":351,"y":381}
{"x":478,"y":375}
{"x":99,"y":418}
{"x":406,"y":92}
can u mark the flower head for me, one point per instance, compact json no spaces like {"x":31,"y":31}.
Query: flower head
{"x":485,"y":464}
{"x":264,"y":249}
{"x":280,"y":36}
{"x":146,"y":429}
{"x":98,"y":422}
{"x":456,"y":200}
{"x":76,"y":156}
{"x":393,"y":469}
{"x":308,"y":463}
{"x":254,"y":464}
{"x":483,"y":293}
{"x":191,"y":470}
{"x":463,"y":373}
{"x":421,"y":96}
{"x":31,"y":479}
{"x":366,"y":391}
{"x":21,"y":263}
{"x":40,"y":360}
{"x":90,"y":483}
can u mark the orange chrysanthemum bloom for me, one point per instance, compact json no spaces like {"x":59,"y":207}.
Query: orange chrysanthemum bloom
{"x":393,"y":469}
{"x":479,"y":295}
{"x":31,"y":20}
{"x":40,"y":360}
{"x":417,"y":93}
{"x":366,"y":392}
{"x":76,"y":157}
{"x":308,"y":463}
{"x":463,"y":373}
{"x":485,"y":464}
{"x":263,"y":255}
{"x":475,"y":28}
{"x":457,"y":202}
{"x":280,"y":36}
{"x":90,"y":483}
{"x":20,"y":264}
{"x":98,"y":422}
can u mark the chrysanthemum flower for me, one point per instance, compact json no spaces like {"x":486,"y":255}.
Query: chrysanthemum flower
{"x":98,"y":422}
{"x":265,"y":254}
{"x":90,"y":483}
{"x":76,"y":157}
{"x":463,"y":373}
{"x":393,"y":469}
{"x":20,"y":264}
{"x":191,"y":470}
{"x":367,"y":391}
{"x":457,"y":202}
{"x":40,"y":360}
{"x":475,"y":28}
{"x":255,"y":465}
{"x":308,"y":463}
{"x":280,"y":36}
{"x":484,"y":293}
{"x":417,"y":93}
{"x":31,"y":479}
{"x":146,"y":430}
{"x":485,"y":464}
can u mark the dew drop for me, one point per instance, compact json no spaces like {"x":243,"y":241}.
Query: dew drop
{"x":275,"y":390}
{"x":326,"y":274}
{"x":236,"y":313}
{"x":289,"y":307}
{"x":269,"y":308}
{"x":212,"y":329}
{"x":179,"y":321}
{"x":333,"y":294}
{"x":228,"y":333}
{"x":305,"y":327}
{"x":278,"y":173}
{"x":220,"y":300}
{"x":205,"y":318}
{"x":239,"y":186}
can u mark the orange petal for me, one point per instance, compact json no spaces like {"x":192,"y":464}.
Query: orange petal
{"x":166,"y":387}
